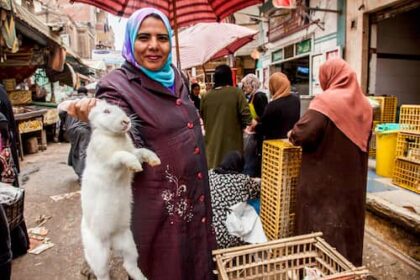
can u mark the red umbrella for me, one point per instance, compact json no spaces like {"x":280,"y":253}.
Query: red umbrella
{"x":185,"y":12}
{"x":180,"y":12}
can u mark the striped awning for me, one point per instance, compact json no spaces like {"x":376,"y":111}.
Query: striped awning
{"x":188,"y":11}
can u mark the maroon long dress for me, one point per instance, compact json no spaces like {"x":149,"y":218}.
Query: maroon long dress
{"x":171,"y":220}
{"x":332,"y":187}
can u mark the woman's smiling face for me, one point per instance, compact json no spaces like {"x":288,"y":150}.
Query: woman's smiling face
{"x":152,"y":46}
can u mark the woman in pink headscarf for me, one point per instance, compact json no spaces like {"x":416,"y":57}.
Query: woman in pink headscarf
{"x":334,"y":134}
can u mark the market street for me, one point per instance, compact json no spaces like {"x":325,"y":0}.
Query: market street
{"x":64,"y":260}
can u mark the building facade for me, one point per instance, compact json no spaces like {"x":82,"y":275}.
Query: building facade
{"x":298,"y":40}
{"x":83,"y":28}
{"x":382,"y":46}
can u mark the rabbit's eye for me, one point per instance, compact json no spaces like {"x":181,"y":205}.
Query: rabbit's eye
{"x":107,"y":111}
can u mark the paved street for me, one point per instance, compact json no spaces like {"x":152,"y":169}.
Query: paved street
{"x":64,"y":260}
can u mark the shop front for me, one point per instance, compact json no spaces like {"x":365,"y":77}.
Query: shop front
{"x":294,"y":61}
{"x":32,"y":52}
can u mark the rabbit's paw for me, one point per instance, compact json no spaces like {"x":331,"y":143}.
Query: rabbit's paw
{"x":134,"y":165}
{"x":148,"y":156}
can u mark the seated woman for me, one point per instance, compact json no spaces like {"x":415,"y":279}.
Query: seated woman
{"x":228,"y":186}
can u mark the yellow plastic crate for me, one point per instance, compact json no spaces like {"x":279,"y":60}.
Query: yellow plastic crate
{"x":372,"y":143}
{"x":388,"y":108}
{"x":407,"y":174}
{"x":280,"y":174}
{"x":285,"y":259}
{"x":410,"y":117}
{"x":408,"y":146}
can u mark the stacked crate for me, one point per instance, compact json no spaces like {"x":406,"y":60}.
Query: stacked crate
{"x":388,"y":114}
{"x":407,"y":164}
{"x":17,"y":97}
{"x":280,"y":174}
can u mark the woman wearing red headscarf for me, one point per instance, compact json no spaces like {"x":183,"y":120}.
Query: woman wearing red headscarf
{"x":334,"y":134}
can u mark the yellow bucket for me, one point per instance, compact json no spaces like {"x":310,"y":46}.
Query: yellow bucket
{"x":385,"y":152}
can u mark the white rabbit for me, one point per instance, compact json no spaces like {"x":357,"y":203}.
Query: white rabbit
{"x":106,"y":190}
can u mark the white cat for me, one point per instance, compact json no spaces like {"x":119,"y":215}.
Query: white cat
{"x":106,"y":190}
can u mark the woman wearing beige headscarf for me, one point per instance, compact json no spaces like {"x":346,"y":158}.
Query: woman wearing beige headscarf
{"x":257,"y":101}
{"x":282,"y":112}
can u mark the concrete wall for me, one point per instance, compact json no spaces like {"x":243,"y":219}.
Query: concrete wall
{"x":399,"y":76}
{"x":357,"y":32}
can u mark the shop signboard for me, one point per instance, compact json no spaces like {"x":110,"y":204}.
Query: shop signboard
{"x":289,"y":51}
{"x":303,"y":47}
{"x":277,"y":55}
{"x":284,"y":4}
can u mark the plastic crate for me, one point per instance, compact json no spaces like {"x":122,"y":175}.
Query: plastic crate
{"x":388,"y":108}
{"x":407,"y":174}
{"x":372,"y":143}
{"x":285,"y":259}
{"x":9,"y":84}
{"x":410,"y":117}
{"x":408,"y":146}
{"x":280,"y":174}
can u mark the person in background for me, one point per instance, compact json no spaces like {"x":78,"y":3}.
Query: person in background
{"x":171,"y":216}
{"x":282,"y":112}
{"x":228,"y":186}
{"x":334,"y":134}
{"x":82,"y":91}
{"x":195,"y":95}
{"x":225,"y":114}
{"x":78,"y":134}
{"x":257,"y":101}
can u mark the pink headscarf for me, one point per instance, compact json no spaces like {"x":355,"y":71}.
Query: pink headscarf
{"x":343,"y":101}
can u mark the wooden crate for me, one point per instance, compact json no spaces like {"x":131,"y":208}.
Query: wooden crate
{"x":51,"y":117}
{"x":285,"y":259}
{"x":30,"y":125}
{"x":388,"y":108}
{"x":20,"y":97}
{"x":9,"y":84}
{"x":279,"y":179}
{"x":410,"y":118}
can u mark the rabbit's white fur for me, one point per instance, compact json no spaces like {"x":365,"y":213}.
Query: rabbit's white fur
{"x":106,"y":190}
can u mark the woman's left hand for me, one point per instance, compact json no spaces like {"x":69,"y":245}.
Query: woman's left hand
{"x":79,"y":109}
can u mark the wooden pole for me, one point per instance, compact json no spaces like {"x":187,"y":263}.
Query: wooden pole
{"x":178,"y":57}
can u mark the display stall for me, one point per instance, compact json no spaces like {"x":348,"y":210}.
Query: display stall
{"x":30,"y":48}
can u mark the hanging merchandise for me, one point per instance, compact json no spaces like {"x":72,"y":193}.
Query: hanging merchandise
{"x":8,"y":39}
{"x":8,"y":33}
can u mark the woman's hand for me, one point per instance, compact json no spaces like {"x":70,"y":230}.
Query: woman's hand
{"x":79,"y":109}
